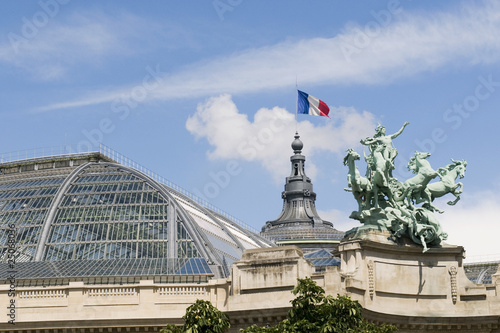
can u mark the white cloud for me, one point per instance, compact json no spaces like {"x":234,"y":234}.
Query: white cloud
{"x":408,"y":44}
{"x":340,"y":219}
{"x":473,"y":223}
{"x":233,"y":136}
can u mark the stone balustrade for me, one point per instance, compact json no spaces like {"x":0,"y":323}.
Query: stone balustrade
{"x":111,"y":292}
{"x":79,"y":302}
{"x":48,"y":294}
{"x":200,"y":291}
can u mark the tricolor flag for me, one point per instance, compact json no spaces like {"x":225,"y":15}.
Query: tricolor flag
{"x":311,"y":105}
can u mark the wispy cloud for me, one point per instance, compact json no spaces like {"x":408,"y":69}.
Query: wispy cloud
{"x":49,"y":52}
{"x":52,"y":50}
{"x":233,"y":136}
{"x":410,"y":44}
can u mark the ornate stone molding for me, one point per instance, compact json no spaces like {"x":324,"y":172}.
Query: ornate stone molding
{"x":453,"y":281}
{"x":371,"y":278}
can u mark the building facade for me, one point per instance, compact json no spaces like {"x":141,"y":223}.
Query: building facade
{"x":90,"y":243}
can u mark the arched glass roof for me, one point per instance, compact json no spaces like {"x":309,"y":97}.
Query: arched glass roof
{"x":85,"y":215}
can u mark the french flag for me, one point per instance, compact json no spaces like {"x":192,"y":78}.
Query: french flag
{"x":311,"y":105}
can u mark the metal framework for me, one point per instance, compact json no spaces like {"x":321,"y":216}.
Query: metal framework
{"x":87,"y":215}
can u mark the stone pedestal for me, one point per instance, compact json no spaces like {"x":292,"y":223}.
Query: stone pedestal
{"x":272,"y":272}
{"x":395,"y":280}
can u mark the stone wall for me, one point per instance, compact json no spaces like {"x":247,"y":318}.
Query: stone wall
{"x":398,"y":283}
{"x":395,"y":283}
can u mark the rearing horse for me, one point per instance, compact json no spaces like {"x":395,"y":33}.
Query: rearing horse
{"x":360,"y":186}
{"x":447,"y":184}
{"x":414,"y":188}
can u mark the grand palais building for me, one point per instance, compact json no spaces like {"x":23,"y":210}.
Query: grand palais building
{"x":92,"y":242}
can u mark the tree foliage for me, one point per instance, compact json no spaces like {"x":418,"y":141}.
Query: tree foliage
{"x":313,"y":312}
{"x":171,"y":329}
{"x":201,"y":317}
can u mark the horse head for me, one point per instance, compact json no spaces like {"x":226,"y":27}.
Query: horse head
{"x":351,"y":154}
{"x":460,"y":167}
{"x":421,"y":155}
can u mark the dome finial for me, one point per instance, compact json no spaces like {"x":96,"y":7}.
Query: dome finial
{"x":297,"y":144}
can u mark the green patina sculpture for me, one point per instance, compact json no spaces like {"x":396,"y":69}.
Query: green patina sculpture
{"x":384,"y":203}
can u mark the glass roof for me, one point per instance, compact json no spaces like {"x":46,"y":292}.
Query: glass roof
{"x":119,"y":267}
{"x":109,"y":214}
{"x":322,"y":258}
{"x":95,"y":217}
{"x":24,"y":203}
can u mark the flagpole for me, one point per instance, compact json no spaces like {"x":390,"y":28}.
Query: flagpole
{"x":296,"y":105}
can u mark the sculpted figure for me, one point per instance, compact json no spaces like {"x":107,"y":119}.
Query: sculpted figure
{"x":384,"y":143}
{"x":420,"y":225}
{"x":384,"y":203}
{"x":380,"y":177}
{"x":427,"y":228}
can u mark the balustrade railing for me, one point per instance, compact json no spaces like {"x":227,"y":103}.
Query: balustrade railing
{"x":114,"y":292}
{"x":34,"y":293}
{"x":182,"y":291}
{"x":41,"y":294}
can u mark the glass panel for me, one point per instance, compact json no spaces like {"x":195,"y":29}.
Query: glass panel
{"x":224,"y":247}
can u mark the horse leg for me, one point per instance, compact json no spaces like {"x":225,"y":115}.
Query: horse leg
{"x":426,"y":198}
{"x":407,"y":196}
{"x":368,"y":199}
{"x":434,"y":208}
{"x":457,"y":197}
{"x":390,"y":198}
{"x":456,"y":193}
{"x":357,"y":196}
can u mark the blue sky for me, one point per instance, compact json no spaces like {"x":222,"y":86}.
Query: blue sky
{"x":204,"y":93}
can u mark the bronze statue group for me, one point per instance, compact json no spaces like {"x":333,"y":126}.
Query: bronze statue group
{"x":385,"y":203}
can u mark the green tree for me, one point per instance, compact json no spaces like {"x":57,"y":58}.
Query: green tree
{"x":313,"y":312}
{"x":201,"y":317}
{"x":171,"y":329}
